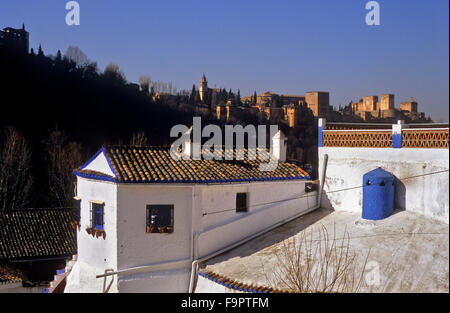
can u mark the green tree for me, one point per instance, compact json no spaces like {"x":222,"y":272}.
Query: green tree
{"x":40,"y":51}
{"x":58,"y":57}
{"x":192,"y":96}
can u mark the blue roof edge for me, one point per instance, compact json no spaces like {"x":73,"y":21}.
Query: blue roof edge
{"x":192,"y":181}
{"x":102,"y":150}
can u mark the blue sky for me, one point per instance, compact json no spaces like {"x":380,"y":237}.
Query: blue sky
{"x":284,"y":46}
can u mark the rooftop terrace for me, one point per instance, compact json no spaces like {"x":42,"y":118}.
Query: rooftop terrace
{"x":412,"y":251}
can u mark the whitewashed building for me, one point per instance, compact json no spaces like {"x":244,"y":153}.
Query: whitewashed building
{"x":146,"y":218}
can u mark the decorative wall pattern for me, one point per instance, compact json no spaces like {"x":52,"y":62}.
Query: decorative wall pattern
{"x":425,"y":138}
{"x":369,"y":139}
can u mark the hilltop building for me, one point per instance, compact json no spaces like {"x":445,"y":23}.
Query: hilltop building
{"x":409,"y":106}
{"x":270,"y":99}
{"x":204,"y":91}
{"x":317,"y":101}
{"x":13,"y":38}
{"x":369,"y":107}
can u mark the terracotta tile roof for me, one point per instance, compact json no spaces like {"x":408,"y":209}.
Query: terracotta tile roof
{"x":155,"y":165}
{"x":236,"y":285}
{"x":37,"y":233}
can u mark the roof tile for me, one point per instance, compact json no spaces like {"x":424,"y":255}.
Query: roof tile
{"x":155,"y":165}
{"x":36,"y":233}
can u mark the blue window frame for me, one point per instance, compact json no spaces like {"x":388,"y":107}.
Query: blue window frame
{"x":97,"y":210}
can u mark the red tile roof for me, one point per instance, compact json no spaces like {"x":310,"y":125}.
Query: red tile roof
{"x":155,"y":165}
{"x":37,"y":233}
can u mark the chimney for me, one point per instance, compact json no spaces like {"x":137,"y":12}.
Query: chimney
{"x":187,"y":145}
{"x":279,"y":146}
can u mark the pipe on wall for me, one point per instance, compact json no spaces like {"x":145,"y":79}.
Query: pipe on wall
{"x":322,"y":181}
{"x":195,"y":263}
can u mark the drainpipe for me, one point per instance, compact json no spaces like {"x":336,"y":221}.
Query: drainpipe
{"x":322,"y":182}
{"x":195,"y":263}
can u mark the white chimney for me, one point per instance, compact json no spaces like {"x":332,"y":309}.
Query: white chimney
{"x":187,"y":145}
{"x":279,"y":146}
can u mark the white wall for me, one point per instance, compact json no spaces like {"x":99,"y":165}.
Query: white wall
{"x":427,"y":195}
{"x":135,"y":247}
{"x":127,"y":244}
{"x":223,"y":229}
{"x":95,"y":255}
{"x":100,"y":164}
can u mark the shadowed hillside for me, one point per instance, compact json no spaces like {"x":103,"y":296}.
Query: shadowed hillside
{"x":57,"y":113}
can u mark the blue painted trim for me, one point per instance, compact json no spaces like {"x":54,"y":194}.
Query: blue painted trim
{"x":250,"y":290}
{"x":109,"y":163}
{"x":320,"y":134}
{"x":102,"y":150}
{"x":96,"y":177}
{"x":397,"y":141}
{"x":91,"y":159}
{"x":190,"y":181}
{"x":60,"y":271}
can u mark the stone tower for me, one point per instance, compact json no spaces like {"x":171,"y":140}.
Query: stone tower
{"x":203,"y":88}
{"x":387,"y":102}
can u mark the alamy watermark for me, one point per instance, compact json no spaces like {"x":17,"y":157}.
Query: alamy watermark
{"x":373,"y":274}
{"x":373,"y":16}
{"x":73,"y":16}
{"x":213,"y":149}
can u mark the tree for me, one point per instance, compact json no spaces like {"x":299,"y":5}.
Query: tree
{"x":77,"y":56}
{"x":255,"y":98}
{"x":214,"y":101}
{"x":89,"y":70}
{"x":192,"y":96}
{"x":16,"y":178}
{"x":61,"y":158}
{"x":58,"y":57}
{"x":197,"y":97}
{"x":144,"y":82}
{"x":40,"y":51}
{"x":317,"y":262}
{"x":139,"y":139}
{"x":114,"y":74}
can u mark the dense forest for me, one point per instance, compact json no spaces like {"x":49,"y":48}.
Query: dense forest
{"x":57,"y":111}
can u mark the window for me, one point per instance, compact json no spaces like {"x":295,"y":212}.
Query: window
{"x":97,"y":215}
{"x":159,"y":219}
{"x":241,"y":202}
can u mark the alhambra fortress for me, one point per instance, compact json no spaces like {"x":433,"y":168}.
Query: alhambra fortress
{"x":290,"y":109}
